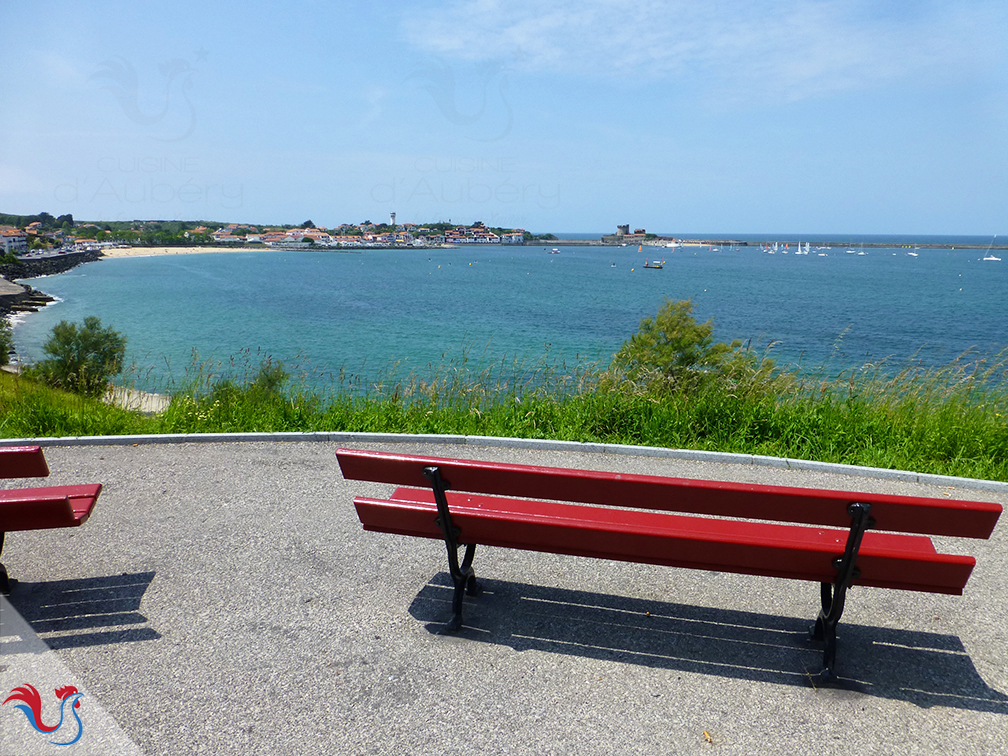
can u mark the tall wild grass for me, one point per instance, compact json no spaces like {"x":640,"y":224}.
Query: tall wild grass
{"x":951,"y":419}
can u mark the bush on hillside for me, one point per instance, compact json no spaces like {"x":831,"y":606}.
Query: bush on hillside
{"x":673,"y":351}
{"x":83,"y":358}
{"x":6,"y":341}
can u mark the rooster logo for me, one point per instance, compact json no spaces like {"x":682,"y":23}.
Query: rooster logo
{"x":31,"y":707}
{"x":441,"y":86}
{"x":124,"y":84}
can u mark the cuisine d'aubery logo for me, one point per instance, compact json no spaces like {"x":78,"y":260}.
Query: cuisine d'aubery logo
{"x":31,"y":707}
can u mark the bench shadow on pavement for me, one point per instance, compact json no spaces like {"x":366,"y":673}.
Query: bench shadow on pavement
{"x":926,"y":669}
{"x":85,"y":612}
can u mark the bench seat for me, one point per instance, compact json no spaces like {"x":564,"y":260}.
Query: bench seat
{"x":23,"y":462}
{"x":47,"y":507}
{"x":886,"y":560}
{"x":38,"y":508}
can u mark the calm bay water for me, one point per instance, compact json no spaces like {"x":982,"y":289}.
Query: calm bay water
{"x":364,"y":311}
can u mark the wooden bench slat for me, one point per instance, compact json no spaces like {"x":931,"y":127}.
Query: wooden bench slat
{"x":786,"y":551}
{"x":906,"y":514}
{"x":47,"y":507}
{"x":23,"y":462}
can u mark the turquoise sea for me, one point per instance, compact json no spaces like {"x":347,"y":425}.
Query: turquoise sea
{"x":365,"y":311}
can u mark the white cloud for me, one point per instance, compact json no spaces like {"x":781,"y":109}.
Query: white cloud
{"x":740,"y":50}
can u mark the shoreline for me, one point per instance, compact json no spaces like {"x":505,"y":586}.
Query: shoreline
{"x":159,"y":251}
{"x":133,"y":252}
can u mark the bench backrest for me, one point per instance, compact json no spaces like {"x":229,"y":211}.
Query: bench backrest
{"x":22,"y":462}
{"x":905,"y":514}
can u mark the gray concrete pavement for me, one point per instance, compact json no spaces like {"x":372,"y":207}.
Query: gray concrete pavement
{"x":224,"y":599}
{"x":27,"y":659}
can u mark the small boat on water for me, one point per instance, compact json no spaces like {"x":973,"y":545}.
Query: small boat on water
{"x":990,"y":256}
{"x":554,"y":251}
{"x":656,"y":265}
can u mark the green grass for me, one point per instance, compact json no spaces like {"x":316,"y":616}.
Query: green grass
{"x":951,"y":420}
{"x":29,"y":409}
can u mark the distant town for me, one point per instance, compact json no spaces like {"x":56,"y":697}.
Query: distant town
{"x":46,"y":235}
{"x":25,"y":234}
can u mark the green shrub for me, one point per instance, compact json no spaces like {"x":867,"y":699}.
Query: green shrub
{"x":673,"y":352}
{"x":6,"y":341}
{"x":672,"y":343}
{"x":82,"y":358}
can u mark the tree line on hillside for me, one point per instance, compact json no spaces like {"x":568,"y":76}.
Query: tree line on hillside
{"x":49,"y":223}
{"x":181,"y":233}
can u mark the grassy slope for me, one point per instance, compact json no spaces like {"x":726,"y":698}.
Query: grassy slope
{"x":30,"y":410}
{"x":927,"y":424}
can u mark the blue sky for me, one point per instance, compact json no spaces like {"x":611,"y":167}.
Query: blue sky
{"x":749,"y":117}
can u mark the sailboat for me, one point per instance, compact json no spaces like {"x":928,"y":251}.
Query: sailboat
{"x":990,"y":257}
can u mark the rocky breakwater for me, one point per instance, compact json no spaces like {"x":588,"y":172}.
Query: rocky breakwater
{"x":17,"y":298}
{"x":50,"y":265}
{"x":22,"y":298}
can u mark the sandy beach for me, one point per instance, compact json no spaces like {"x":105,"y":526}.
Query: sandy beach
{"x":157,"y":251}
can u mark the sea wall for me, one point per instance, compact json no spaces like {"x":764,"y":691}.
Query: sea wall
{"x":46,"y":266}
{"x":22,"y":298}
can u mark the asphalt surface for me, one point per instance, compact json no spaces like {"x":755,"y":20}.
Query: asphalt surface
{"x":223,"y":599}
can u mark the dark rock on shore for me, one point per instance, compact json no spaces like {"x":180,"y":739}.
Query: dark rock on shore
{"x":26,"y":300}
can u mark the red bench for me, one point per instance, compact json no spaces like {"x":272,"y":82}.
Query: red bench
{"x":38,"y":508}
{"x":817,"y":535}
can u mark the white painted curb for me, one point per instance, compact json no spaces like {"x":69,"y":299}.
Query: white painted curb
{"x":518,"y":443}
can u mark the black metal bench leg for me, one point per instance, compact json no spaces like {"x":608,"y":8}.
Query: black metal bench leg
{"x":826,"y":599}
{"x":825,"y":628}
{"x":4,"y":580}
{"x":465,"y":583}
{"x":463,"y":575}
{"x":832,"y":596}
